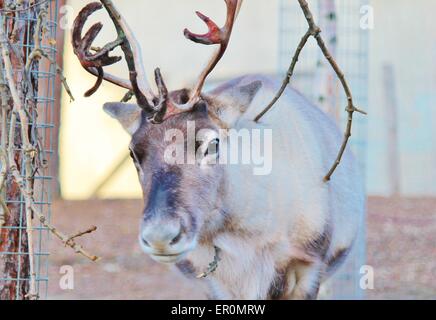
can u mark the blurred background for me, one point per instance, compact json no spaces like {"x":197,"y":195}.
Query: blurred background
{"x":387,"y":49}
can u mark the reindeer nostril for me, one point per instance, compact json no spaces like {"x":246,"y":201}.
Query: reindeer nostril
{"x":145,"y":242}
{"x":176,"y":239}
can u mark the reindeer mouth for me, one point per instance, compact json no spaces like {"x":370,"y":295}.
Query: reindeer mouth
{"x":168,"y":257}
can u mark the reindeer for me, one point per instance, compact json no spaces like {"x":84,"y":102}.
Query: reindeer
{"x":274,"y":236}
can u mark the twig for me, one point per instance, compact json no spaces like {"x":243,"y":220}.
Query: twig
{"x":28,"y":155}
{"x":67,"y":240}
{"x":37,"y":53}
{"x":315,"y":31}
{"x":81,"y":233}
{"x":3,"y":173}
{"x":289,"y":74}
{"x":4,"y":211}
{"x":25,"y":9}
{"x":3,"y":168}
{"x":4,"y":97}
{"x":63,"y":237}
{"x":213,"y":265}
{"x":29,"y":152}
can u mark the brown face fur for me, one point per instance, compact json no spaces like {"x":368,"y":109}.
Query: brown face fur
{"x":183,"y":201}
{"x":177,"y":196}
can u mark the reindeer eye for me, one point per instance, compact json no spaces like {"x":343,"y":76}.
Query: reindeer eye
{"x":213,"y":147}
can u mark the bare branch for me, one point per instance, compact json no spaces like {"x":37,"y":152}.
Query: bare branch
{"x":288,"y":77}
{"x":38,"y":53}
{"x":8,"y":161}
{"x":213,"y":265}
{"x":64,"y":238}
{"x":81,"y":233}
{"x":315,"y":31}
{"x":25,"y":186}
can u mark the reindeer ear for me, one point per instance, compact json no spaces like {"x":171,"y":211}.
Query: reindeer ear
{"x":235,"y":98}
{"x":129,"y":115}
{"x":248,"y":92}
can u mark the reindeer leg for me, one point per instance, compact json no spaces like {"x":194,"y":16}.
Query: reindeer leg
{"x":308,"y":280}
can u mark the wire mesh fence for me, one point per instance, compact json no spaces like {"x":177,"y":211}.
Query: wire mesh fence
{"x":347,"y":40}
{"x":20,"y":20}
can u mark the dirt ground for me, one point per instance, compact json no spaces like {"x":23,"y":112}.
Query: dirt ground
{"x":401,"y":248}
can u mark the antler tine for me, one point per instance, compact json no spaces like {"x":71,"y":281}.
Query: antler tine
{"x":162,"y":104}
{"x":94,"y":62}
{"x":215,"y":35}
{"x":82,"y":45}
{"x":123,"y":83}
{"x":85,"y":57}
{"x":132,"y":53}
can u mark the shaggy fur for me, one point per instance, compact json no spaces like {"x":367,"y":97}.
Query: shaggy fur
{"x":280,"y":234}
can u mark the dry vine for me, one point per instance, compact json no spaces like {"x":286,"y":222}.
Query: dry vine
{"x":17,"y":104}
{"x":315,"y":31}
{"x":213,"y":265}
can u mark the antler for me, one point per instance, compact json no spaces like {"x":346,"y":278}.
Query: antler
{"x":215,"y":35}
{"x":94,"y":61}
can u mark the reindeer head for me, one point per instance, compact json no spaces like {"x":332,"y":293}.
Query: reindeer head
{"x":182,"y":199}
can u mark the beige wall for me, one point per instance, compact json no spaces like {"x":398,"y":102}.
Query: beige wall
{"x":405,"y":37}
{"x":90,"y":141}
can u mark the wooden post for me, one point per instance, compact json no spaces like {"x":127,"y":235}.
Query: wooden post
{"x":326,"y":83}
{"x":14,"y":259}
{"x":391,"y":118}
{"x":56,"y":117}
